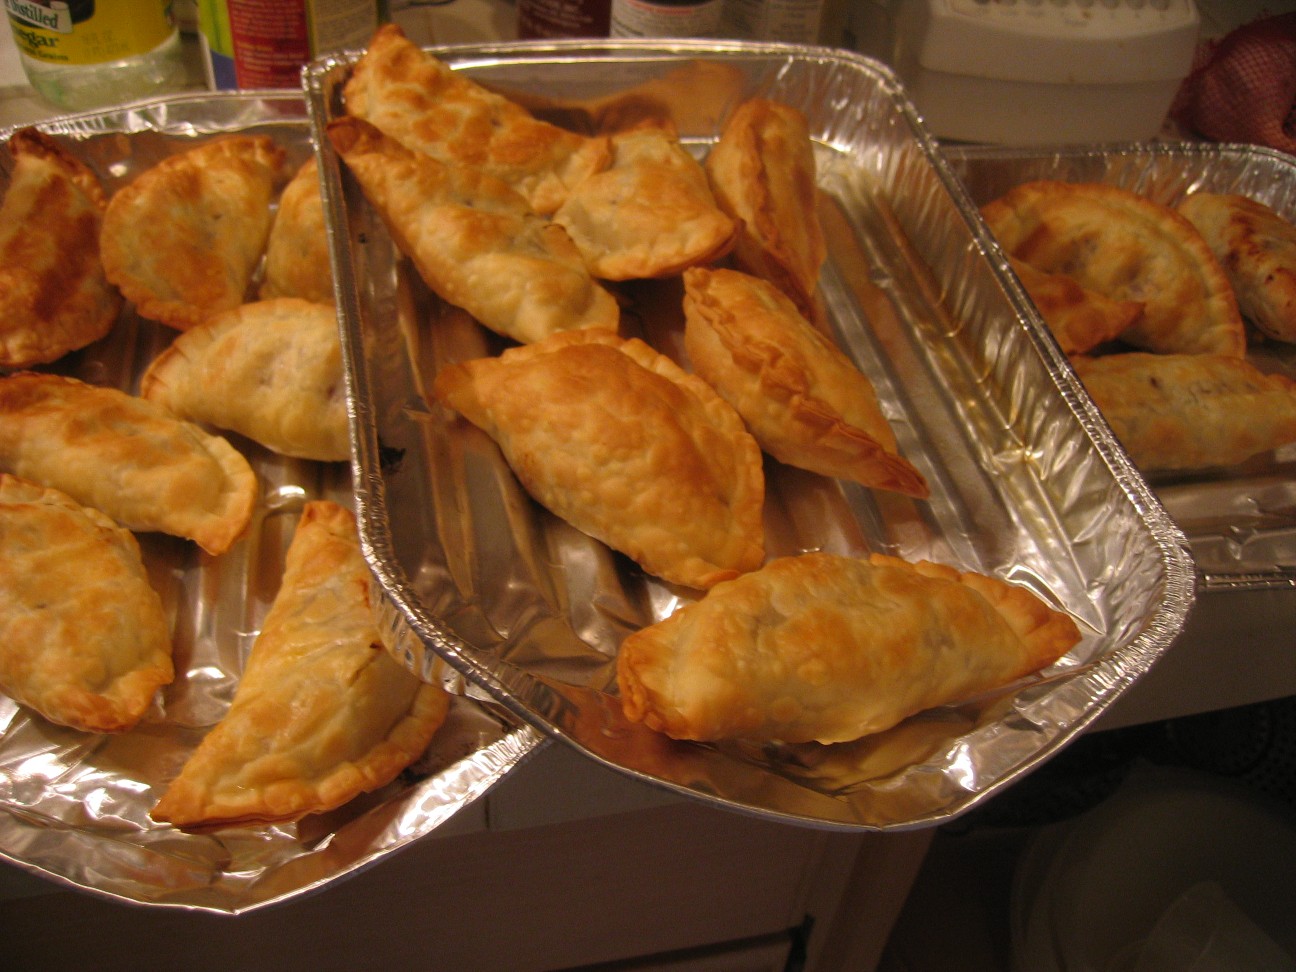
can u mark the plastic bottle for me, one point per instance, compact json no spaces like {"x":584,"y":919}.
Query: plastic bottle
{"x":85,"y":54}
{"x":666,"y":18}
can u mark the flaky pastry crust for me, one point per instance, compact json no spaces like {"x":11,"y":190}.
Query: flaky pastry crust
{"x":649,"y":214}
{"x":474,"y":240}
{"x":418,"y":100}
{"x":1257,"y":248}
{"x":825,"y":648}
{"x":126,"y":457}
{"x":84,"y":638}
{"x":1190,"y":411}
{"x":184,"y":238}
{"x":1126,"y":247}
{"x":322,"y":712}
{"x":297,"y":254}
{"x":54,"y":297}
{"x":270,"y":370}
{"x":804,"y":401}
{"x":762,"y":170}
{"x":618,"y":441}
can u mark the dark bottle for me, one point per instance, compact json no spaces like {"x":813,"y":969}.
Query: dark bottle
{"x":562,"y":18}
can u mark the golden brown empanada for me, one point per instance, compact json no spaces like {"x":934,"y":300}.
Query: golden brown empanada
{"x":322,"y":712}
{"x":183,"y":239}
{"x":474,"y":240}
{"x":1126,"y":247}
{"x":1257,"y":248}
{"x":84,"y":639}
{"x":617,"y":440}
{"x":416,"y":99}
{"x":824,"y":648}
{"x":270,"y":370}
{"x":803,"y":400}
{"x":762,"y":170}
{"x":1080,"y":319}
{"x":297,"y":254}
{"x":649,"y":214}
{"x":126,"y":457}
{"x":1190,"y":411}
{"x":54,"y":297}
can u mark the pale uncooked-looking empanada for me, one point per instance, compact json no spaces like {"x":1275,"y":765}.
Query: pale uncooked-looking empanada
{"x":322,"y":712}
{"x":804,"y":401}
{"x":825,"y":648}
{"x":270,"y":370}
{"x":1190,"y":411}
{"x":1080,"y":319}
{"x":297,"y":254}
{"x":184,"y":238}
{"x":126,"y":457}
{"x":54,"y":297}
{"x":418,"y":100}
{"x":84,"y":639}
{"x":1127,"y":247}
{"x":474,"y":240}
{"x":762,"y":170}
{"x":1257,"y":248}
{"x":621,"y":443}
{"x":649,"y":214}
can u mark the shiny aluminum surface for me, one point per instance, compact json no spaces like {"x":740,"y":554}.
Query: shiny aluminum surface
{"x":74,"y":806}
{"x":1027,"y":482}
{"x":1240,"y":522}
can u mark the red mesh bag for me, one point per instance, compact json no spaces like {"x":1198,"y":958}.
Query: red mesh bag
{"x":1242,"y":87}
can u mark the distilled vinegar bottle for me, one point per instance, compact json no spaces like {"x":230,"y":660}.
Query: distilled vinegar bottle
{"x":85,"y":54}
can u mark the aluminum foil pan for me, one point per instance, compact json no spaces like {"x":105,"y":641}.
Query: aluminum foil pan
{"x":74,"y":806}
{"x":1241,"y":522}
{"x":1027,"y":481}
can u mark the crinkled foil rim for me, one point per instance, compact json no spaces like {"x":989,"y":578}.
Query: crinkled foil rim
{"x":74,"y":807}
{"x":1028,"y":483}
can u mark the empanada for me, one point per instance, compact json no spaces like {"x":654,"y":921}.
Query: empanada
{"x":1080,"y":319}
{"x":1257,"y":248}
{"x":84,"y":639}
{"x":1190,"y":411}
{"x":762,"y":170}
{"x":126,"y":457}
{"x":474,"y":240}
{"x":1126,"y":247}
{"x":802,"y":399}
{"x":297,"y":254}
{"x":824,"y":648}
{"x":621,"y":443}
{"x":649,"y":214}
{"x":184,"y":238}
{"x":322,"y":712}
{"x":270,"y":370}
{"x":54,"y":297}
{"x":416,"y":99}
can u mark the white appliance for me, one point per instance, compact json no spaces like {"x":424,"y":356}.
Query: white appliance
{"x":1030,"y":72}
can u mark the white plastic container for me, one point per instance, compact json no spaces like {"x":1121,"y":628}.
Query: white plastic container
{"x":1033,"y":72}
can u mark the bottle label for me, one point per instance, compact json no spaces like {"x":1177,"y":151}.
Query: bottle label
{"x":794,"y":21}
{"x":562,"y":18}
{"x":88,"y":31}
{"x":641,"y":18}
{"x":264,"y":43}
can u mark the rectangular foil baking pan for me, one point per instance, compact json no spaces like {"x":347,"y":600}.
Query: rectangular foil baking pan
{"x":74,"y":806}
{"x":1027,"y":482}
{"x":1240,"y":522}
